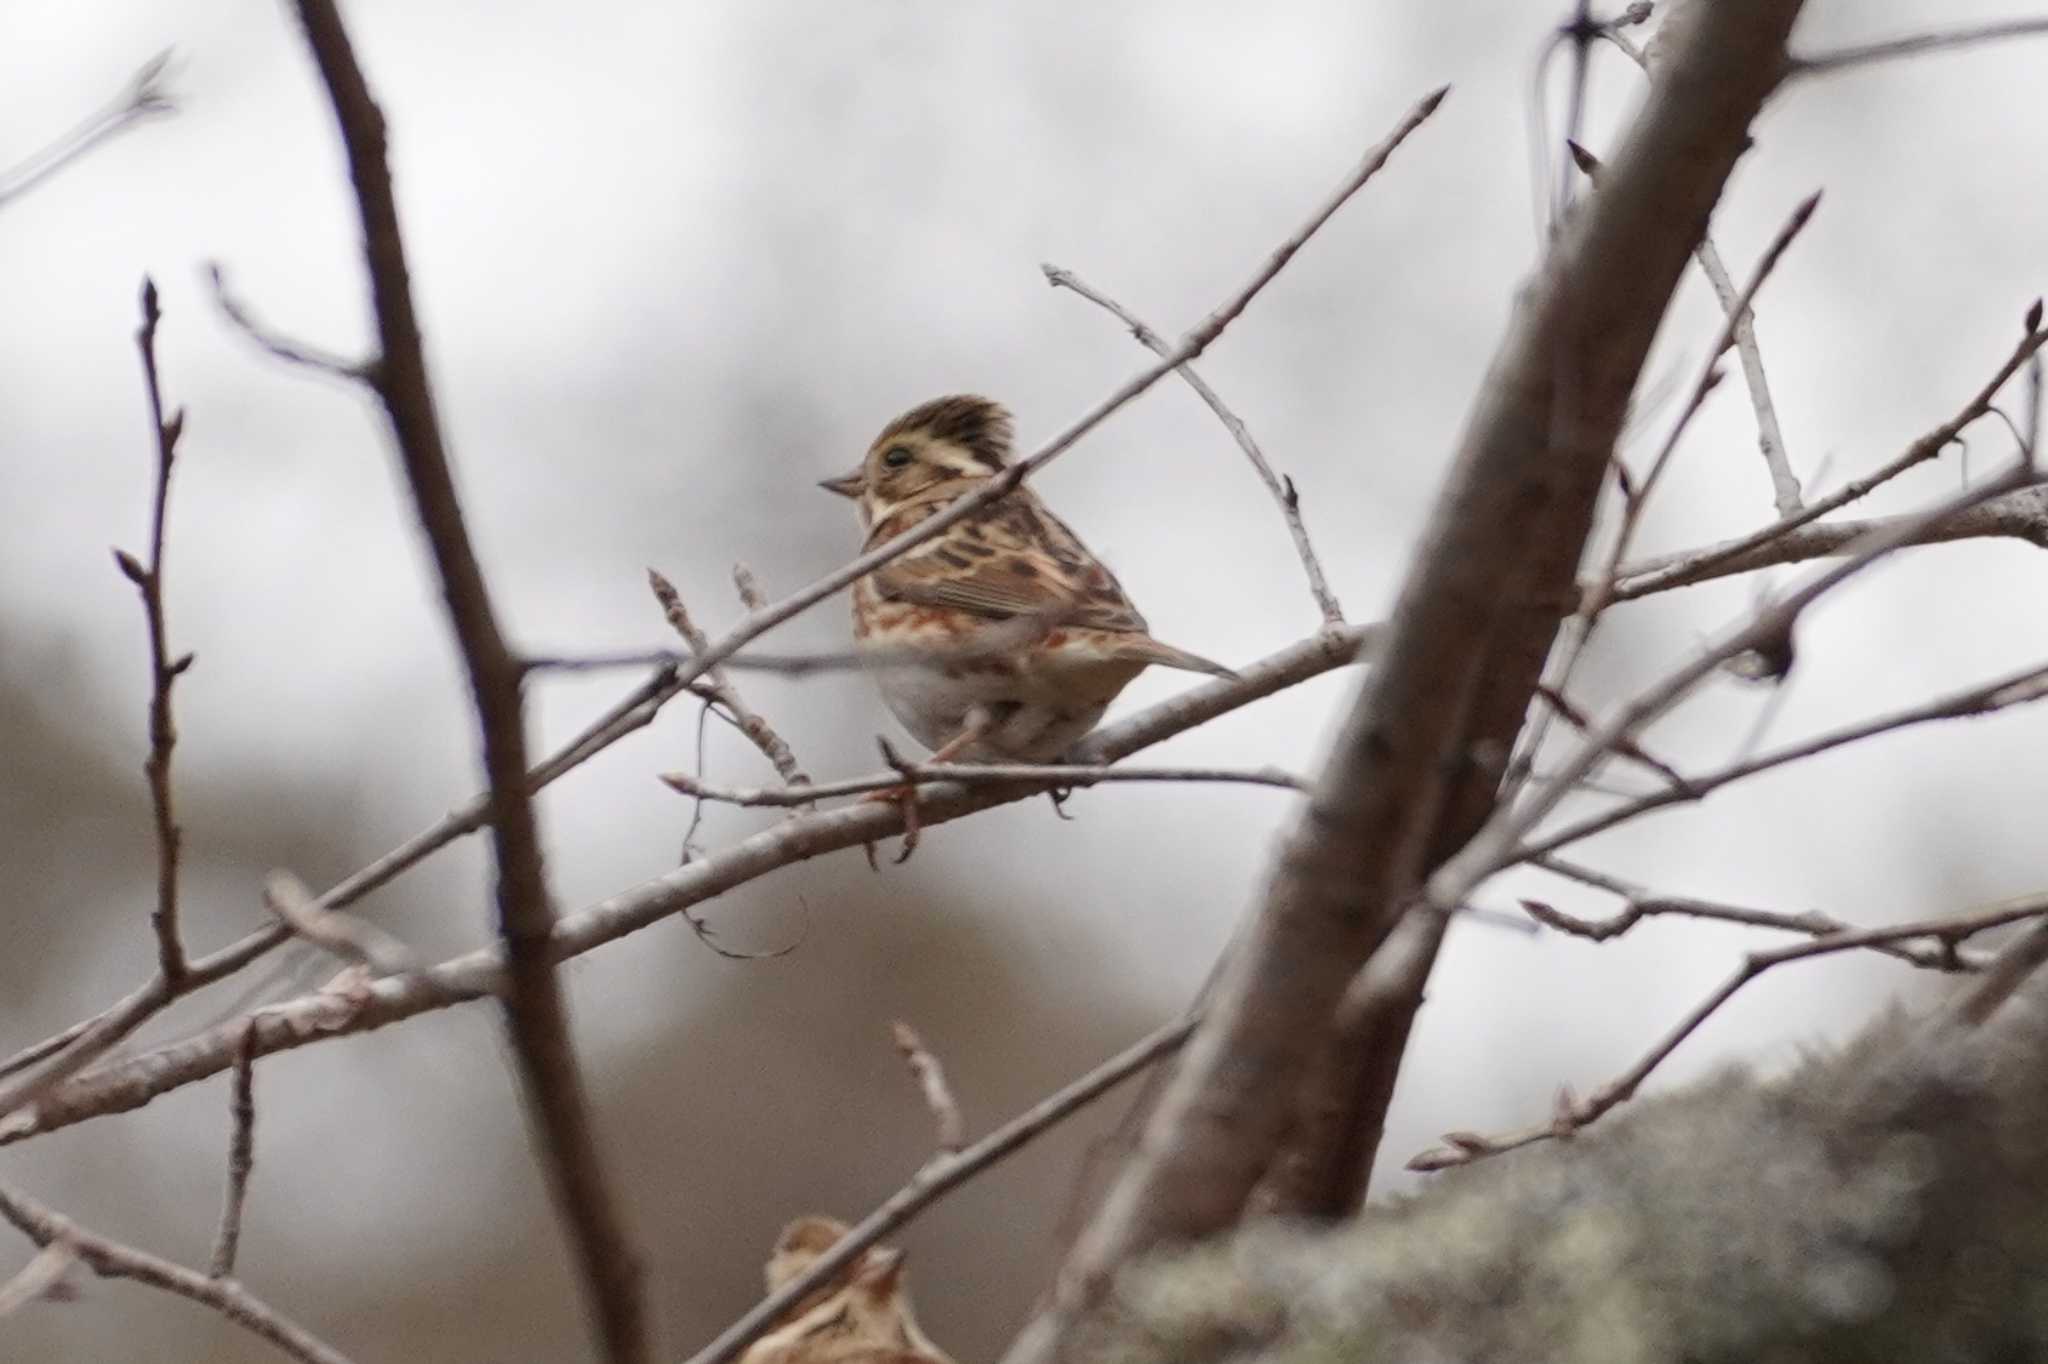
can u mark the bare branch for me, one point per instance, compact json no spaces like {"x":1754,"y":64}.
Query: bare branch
{"x":758,"y":731}
{"x":144,"y":97}
{"x":77,"y":1046}
{"x":38,"y":1276}
{"x":1917,"y":44}
{"x":1283,"y":491}
{"x":1421,"y":753}
{"x":241,"y":1158}
{"x":2013,"y":689}
{"x":1463,"y":1148}
{"x":2009,"y":970}
{"x":278,"y":344}
{"x":113,"y":1260}
{"x":164,"y":671}
{"x":939,"y":1177}
{"x":536,"y":1013}
{"x":1768,"y":631}
{"x":1770,"y":439}
{"x":358,"y":942}
{"x":1642,"y":582}
{"x":1053,"y":775}
{"x":2021,"y":515}
{"x":931,"y":1082}
{"x":320,"y":1016}
{"x":1639,"y":903}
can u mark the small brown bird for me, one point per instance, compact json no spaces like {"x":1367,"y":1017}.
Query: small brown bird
{"x":863,"y":1317}
{"x":1010,"y":561}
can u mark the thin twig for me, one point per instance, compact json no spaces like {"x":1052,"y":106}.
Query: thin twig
{"x":142,"y":98}
{"x":2009,"y":970}
{"x":2020,"y":515}
{"x":931,"y":1083}
{"x":1935,"y":41}
{"x":1054,"y":775}
{"x":536,"y":1014}
{"x":1770,"y":439}
{"x":78,"y":1045}
{"x":112,"y":1260}
{"x":1285,"y":495}
{"x":1635,"y":583}
{"x":38,"y":1276}
{"x":358,"y":942}
{"x":1769,"y":630}
{"x":324,"y":1015}
{"x":1636,"y":495}
{"x":277,"y":343}
{"x":241,"y":1158}
{"x":163,"y":670}
{"x":2019,"y":688}
{"x":1462,"y":1148}
{"x":939,"y":1177}
{"x":1639,"y":903}
{"x":758,"y":731}
{"x":674,"y":677}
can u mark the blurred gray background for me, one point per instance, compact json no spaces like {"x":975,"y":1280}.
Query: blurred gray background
{"x":676,"y":263}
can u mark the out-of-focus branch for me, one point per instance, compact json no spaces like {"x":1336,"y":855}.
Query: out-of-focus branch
{"x":1918,"y":44}
{"x":1323,"y":1170}
{"x":536,"y":1013}
{"x":38,"y":1276}
{"x":241,"y":1159}
{"x":283,"y":347}
{"x":939,"y":1177}
{"x":1285,"y":496}
{"x":931,"y":1084}
{"x":357,"y":942}
{"x":1462,"y":1148}
{"x":144,"y":97}
{"x":1420,"y":756}
{"x":321,"y":1016}
{"x":112,"y":1260}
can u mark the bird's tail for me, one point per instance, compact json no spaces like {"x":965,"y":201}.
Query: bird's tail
{"x":1152,"y":651}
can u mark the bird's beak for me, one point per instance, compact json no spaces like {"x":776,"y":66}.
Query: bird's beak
{"x":846,"y":485}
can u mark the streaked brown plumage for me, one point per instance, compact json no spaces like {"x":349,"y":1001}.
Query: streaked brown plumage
{"x":1013,"y":561}
{"x":863,"y":1317}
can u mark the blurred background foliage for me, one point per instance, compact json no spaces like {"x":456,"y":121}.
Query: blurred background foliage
{"x":676,"y":263}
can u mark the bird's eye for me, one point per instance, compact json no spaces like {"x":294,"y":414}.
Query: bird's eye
{"x":896,"y":456}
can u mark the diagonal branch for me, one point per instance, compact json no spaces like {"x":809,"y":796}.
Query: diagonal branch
{"x":1282,"y":489}
{"x":2014,"y":689}
{"x":1642,"y":581}
{"x":113,"y":1260}
{"x":1463,"y":1148}
{"x":2020,"y":515}
{"x":757,"y":730}
{"x":1938,"y":40}
{"x":1415,"y":766}
{"x":321,"y":1016}
{"x":145,"y":96}
{"x":536,"y":1013}
{"x":939,"y":1177}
